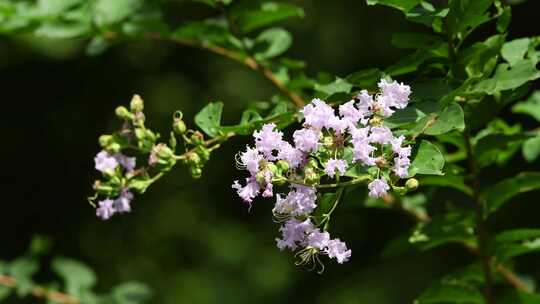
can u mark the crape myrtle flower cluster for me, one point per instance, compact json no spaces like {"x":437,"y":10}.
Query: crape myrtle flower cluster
{"x":121,"y":177}
{"x":326,"y":148}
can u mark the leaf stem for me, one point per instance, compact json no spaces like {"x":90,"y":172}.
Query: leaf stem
{"x":41,"y":292}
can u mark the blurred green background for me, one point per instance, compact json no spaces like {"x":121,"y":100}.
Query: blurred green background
{"x":193,"y":241}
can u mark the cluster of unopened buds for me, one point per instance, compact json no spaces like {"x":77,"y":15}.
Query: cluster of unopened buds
{"x":120,"y":176}
{"x":329,"y":151}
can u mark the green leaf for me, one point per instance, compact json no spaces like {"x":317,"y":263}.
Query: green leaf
{"x":5,"y":292}
{"x":451,"y":293}
{"x":466,"y":15}
{"x":514,"y":51}
{"x":480,"y":59}
{"x":365,"y":78}
{"x":450,"y":118}
{"x":512,"y":243}
{"x":107,"y":12}
{"x":412,"y":62}
{"x":498,"y":194}
{"x":415,"y":40}
{"x":209,"y":118}
{"x":22,"y":270}
{"x":452,"y":227}
{"x":428,"y":160}
{"x":531,"y":148}
{"x":504,"y":20}
{"x":271,"y":43}
{"x":531,"y":106}
{"x":209,"y":31}
{"x":517,"y":235}
{"x":451,"y":181}
{"x":403,"y":5}
{"x":497,"y":148}
{"x":264,"y":14}
{"x":132,"y":293}
{"x":78,"y":278}
{"x":97,"y":46}
{"x":339,"y":85}
{"x":55,"y":7}
{"x":507,"y":77}
{"x":428,"y":15}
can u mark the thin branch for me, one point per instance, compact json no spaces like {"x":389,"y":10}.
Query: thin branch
{"x":481,"y":231}
{"x":248,"y":61}
{"x":41,"y":292}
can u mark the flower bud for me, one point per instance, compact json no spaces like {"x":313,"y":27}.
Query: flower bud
{"x":312,"y":163}
{"x":272,"y":167}
{"x":105,"y":140}
{"x":123,"y":113}
{"x":283,"y":166}
{"x":196,"y":172}
{"x":113,"y":148}
{"x":161,"y":155}
{"x":310,"y":176}
{"x":179,"y":127}
{"x":103,"y":189}
{"x":375,"y":121}
{"x":136,"y":104}
{"x":197,"y":138}
{"x":193,"y":158}
{"x":261,"y":177}
{"x":412,"y":183}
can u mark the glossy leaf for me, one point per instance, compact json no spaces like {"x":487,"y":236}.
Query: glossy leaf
{"x":500,"y":193}
{"x":271,"y":43}
{"x":403,"y":5}
{"x":427,"y":160}
{"x":514,"y":51}
{"x":209,"y":118}
{"x":531,"y":148}
{"x":507,"y":77}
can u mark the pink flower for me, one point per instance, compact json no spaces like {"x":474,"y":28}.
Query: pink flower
{"x":378,"y":188}
{"x":317,"y":114}
{"x":307,"y":140}
{"x":335,"y":164}
{"x":338,"y":249}
{"x":268,"y":140}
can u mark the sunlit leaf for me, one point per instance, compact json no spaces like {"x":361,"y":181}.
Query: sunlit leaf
{"x":427,"y":160}
{"x":531,"y":106}
{"x":209,"y":118}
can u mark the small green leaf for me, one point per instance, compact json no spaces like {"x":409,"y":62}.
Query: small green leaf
{"x":531,"y":148}
{"x":78,"y":278}
{"x":209,"y":118}
{"x":428,"y":15}
{"x":428,"y":160}
{"x":466,"y":15}
{"x":209,"y":31}
{"x":530,"y":107}
{"x":339,"y":85}
{"x":517,"y":235}
{"x":271,"y":43}
{"x":264,"y":14}
{"x":365,"y":78}
{"x":22,"y":269}
{"x":402,"y":5}
{"x":498,"y":194}
{"x":132,"y":293}
{"x":504,"y":20}
{"x":514,"y":51}
{"x":107,"y":12}
{"x":97,"y":46}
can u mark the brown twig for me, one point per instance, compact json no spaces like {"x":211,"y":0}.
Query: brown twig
{"x":41,"y":292}
{"x":248,"y":61}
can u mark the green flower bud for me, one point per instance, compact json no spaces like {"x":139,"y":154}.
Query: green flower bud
{"x":260,"y":177}
{"x":179,"y":127}
{"x":136,"y":104}
{"x":311,"y":177}
{"x":105,"y":140}
{"x":114,"y":148}
{"x":196,"y":172}
{"x":273,"y":168}
{"x":283,"y":166}
{"x":103,"y":189}
{"x":312,"y":163}
{"x":146,"y":139}
{"x":376,"y":121}
{"x":412,"y":183}
{"x":197,"y":138}
{"x":204,"y":153}
{"x":123,"y":113}
{"x":193,"y":158}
